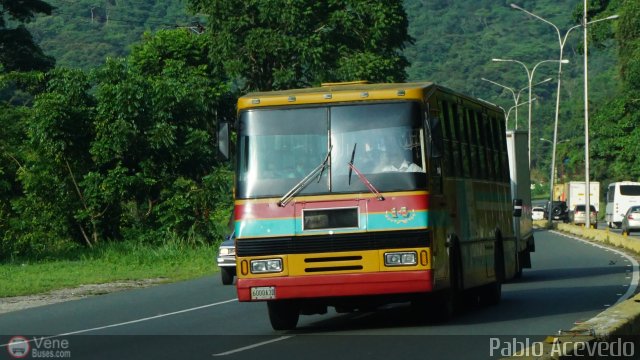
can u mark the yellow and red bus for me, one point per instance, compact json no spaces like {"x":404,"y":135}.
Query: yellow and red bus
{"x":352,"y":195}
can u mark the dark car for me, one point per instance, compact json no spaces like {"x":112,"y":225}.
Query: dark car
{"x":227,"y":259}
{"x":559,"y":211}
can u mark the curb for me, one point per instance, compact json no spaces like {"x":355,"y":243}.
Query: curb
{"x":610,"y":331}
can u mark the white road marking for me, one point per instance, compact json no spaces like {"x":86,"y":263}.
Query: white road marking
{"x":248,"y":347}
{"x":635,"y":275}
{"x":132,"y":321}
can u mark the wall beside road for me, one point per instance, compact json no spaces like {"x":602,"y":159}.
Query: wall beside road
{"x":604,"y":236}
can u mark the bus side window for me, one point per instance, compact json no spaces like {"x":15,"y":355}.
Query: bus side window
{"x":448,"y":159}
{"x":481,"y":164}
{"x":456,"y":140}
{"x":435,"y":153}
{"x":485,"y":129}
{"x":463,"y":137}
{"x":434,"y":136}
{"x":610,"y":193}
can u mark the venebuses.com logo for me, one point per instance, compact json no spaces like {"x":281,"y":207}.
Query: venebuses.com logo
{"x":20,"y":347}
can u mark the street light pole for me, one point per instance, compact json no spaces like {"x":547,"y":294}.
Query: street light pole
{"x":506,"y":119}
{"x":587,"y":191}
{"x":516,"y":98}
{"x":587,"y":221}
{"x":562,"y":42}
{"x":530,"y":79}
{"x":513,"y":92}
{"x":551,"y":142}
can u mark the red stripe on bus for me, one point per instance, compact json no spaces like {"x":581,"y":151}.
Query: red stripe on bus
{"x":261,"y":210}
{"x":400,"y":282}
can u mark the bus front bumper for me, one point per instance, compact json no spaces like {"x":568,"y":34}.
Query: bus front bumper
{"x":382,"y":283}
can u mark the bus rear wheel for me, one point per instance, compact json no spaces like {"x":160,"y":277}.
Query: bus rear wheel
{"x":283,"y":314}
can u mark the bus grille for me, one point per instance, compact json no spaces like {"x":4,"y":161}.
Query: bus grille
{"x":331,"y":243}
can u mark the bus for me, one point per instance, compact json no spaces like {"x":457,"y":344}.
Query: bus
{"x":354,"y":195}
{"x":620,"y":197}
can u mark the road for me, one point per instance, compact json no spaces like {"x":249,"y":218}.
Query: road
{"x":201,"y":319}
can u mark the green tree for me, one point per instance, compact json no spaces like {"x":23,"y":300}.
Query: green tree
{"x":277,"y":44}
{"x":126,"y":152}
{"x":18,"y":51}
{"x":616,"y":127}
{"x":155,"y":141}
{"x":54,"y":153}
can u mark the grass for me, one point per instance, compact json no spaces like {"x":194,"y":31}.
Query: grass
{"x":107,"y":263}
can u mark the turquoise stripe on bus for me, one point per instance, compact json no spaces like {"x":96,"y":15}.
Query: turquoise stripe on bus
{"x":413,"y":219}
{"x":288,"y":227}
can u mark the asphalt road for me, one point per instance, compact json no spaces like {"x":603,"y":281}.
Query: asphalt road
{"x":201,"y":319}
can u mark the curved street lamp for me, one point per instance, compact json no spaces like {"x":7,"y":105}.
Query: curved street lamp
{"x":530,"y":79}
{"x":506,"y":117}
{"x":562,"y":41}
{"x":516,"y":98}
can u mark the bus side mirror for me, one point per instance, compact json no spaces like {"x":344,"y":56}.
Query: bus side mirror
{"x":223,"y":140}
{"x":517,"y":207}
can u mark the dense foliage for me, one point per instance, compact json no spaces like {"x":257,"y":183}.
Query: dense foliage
{"x":279,"y":44}
{"x":83,"y":33}
{"x":117,"y":143}
{"x":126,"y":152}
{"x":18,"y":51}
{"x":457,"y":40}
{"x":616,"y":126}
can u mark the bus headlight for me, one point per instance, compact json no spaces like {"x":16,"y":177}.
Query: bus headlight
{"x":262,"y":266}
{"x":404,"y":258}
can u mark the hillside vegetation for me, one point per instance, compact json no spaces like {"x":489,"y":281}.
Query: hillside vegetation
{"x":454,"y":42}
{"x":117,"y":142}
{"x":83,"y":33}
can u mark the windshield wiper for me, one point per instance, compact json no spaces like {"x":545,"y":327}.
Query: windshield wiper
{"x":305,"y":181}
{"x":361,"y":176}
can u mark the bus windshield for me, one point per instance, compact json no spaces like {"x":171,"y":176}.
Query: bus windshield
{"x":279,"y":147}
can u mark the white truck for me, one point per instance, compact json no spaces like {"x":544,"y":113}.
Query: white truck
{"x":574,"y":192}
{"x":517,"y":142}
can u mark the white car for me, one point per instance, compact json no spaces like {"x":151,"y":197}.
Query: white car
{"x":227,"y":260}
{"x":537,"y":213}
{"x":631,"y":220}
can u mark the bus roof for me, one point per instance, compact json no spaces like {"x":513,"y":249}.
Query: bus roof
{"x":350,"y":92}
{"x":336,"y":92}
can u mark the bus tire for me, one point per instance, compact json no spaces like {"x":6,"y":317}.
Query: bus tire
{"x":283,"y":314}
{"x":226,"y":275}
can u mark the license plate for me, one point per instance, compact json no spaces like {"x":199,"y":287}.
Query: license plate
{"x":263,"y":292}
